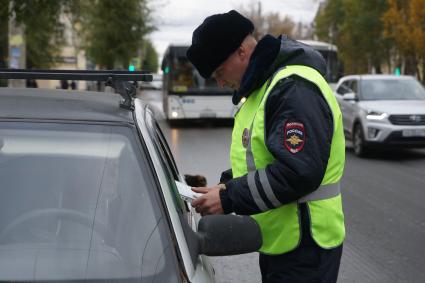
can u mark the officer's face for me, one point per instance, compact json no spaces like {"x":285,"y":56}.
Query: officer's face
{"x":231,"y":71}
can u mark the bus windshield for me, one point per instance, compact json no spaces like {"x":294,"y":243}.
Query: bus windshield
{"x":181,"y":77}
{"x":187,"y":95}
{"x":185,"y":77}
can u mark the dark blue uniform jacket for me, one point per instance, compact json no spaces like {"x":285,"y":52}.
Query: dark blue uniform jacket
{"x":292,"y":100}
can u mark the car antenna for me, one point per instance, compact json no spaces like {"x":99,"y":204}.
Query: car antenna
{"x":123,"y":82}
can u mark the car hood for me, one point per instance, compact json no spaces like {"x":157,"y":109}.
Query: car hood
{"x":395,"y":106}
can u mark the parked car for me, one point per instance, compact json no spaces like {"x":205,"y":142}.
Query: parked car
{"x":382,"y":110}
{"x":88,"y":193}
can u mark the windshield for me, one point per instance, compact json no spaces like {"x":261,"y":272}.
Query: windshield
{"x":185,"y":77}
{"x":78,"y":202}
{"x":395,"y":89}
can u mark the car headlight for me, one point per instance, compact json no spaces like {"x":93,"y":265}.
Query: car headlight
{"x":375,"y":115}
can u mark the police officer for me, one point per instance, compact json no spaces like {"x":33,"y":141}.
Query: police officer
{"x":287,"y":152}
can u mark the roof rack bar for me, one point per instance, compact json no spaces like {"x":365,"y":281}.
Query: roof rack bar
{"x":72,"y":71}
{"x":124,"y":82}
{"x":77,"y":75}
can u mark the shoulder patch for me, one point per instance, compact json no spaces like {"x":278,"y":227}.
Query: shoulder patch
{"x":294,"y":136}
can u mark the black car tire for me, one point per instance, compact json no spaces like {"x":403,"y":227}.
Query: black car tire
{"x":359,"y":144}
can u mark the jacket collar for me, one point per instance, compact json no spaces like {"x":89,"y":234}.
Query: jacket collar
{"x":258,"y":70}
{"x":271,"y":54}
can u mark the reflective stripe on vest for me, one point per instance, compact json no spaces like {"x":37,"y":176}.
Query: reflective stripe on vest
{"x":323,"y":192}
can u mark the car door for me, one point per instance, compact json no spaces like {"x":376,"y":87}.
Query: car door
{"x":342,"y":89}
{"x":351,"y":106}
{"x":171,"y":164}
{"x":203,"y":270}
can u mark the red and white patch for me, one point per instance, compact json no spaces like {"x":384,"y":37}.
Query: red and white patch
{"x":294,"y":136}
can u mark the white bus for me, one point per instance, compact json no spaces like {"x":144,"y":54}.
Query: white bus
{"x":330,"y":53}
{"x":186,"y":95}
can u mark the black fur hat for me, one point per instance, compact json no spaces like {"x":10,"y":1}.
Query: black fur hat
{"x":216,"y":39}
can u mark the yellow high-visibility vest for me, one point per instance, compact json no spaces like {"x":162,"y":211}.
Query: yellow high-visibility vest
{"x":280,"y":227}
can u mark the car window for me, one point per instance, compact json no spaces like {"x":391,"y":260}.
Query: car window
{"x":392,"y":89}
{"x":78,"y":203}
{"x":169,"y":164}
{"x":353,"y":86}
{"x":164,"y":154}
{"x":344,"y":88}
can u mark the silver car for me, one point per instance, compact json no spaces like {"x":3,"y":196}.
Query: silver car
{"x":382,"y":110}
{"x":88,"y":192}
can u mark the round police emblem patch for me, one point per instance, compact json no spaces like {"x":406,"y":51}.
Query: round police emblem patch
{"x":245,"y":137}
{"x":294,"y":137}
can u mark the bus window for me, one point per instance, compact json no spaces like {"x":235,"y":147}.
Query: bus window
{"x":334,"y":68}
{"x":331,"y":65}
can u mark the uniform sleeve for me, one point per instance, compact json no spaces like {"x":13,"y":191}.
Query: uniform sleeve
{"x":298,"y":133}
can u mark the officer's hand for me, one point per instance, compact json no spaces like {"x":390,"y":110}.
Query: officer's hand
{"x":209,"y":202}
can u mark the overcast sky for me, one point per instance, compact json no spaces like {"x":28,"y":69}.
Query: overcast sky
{"x":176,"y":19}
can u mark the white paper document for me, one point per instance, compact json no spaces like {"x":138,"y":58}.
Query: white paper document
{"x":186,"y":191}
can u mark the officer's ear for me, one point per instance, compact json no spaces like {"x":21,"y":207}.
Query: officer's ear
{"x":242,"y":52}
{"x":246,"y":48}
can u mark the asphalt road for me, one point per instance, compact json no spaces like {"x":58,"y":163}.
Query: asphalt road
{"x":383,"y":199}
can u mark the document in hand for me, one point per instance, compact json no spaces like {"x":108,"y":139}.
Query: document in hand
{"x":186,"y":192}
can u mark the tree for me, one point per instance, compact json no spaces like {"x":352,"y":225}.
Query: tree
{"x":270,"y":23}
{"x":404,"y":23}
{"x":111,"y":31}
{"x":361,"y":39}
{"x":4,"y":31}
{"x":254,"y":13}
{"x":355,"y":27}
{"x":275,"y":25}
{"x":150,"y":57}
{"x":4,"y":34}
{"x":42,"y":28}
{"x":329,"y":19}
{"x":114,"y":30}
{"x":303,"y":31}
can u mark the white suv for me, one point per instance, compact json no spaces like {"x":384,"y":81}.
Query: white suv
{"x":384,"y":110}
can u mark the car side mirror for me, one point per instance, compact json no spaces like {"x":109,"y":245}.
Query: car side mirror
{"x":222,"y":235}
{"x":350,"y":96}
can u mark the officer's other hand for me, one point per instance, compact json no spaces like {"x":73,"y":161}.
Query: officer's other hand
{"x":209,"y":202}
